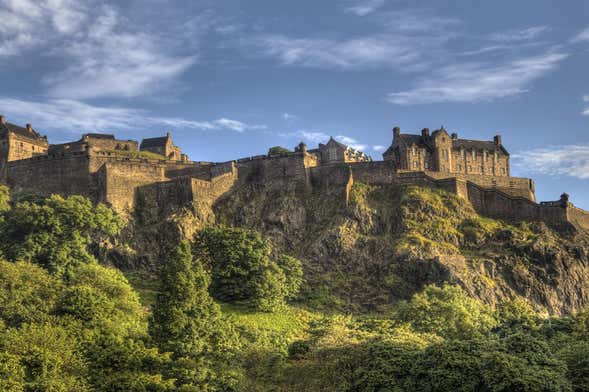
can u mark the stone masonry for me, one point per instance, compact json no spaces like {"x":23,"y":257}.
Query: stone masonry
{"x":118,"y":172}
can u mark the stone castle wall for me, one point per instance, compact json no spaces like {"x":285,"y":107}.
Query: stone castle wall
{"x":167,"y":185}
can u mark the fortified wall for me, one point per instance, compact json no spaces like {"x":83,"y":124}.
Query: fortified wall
{"x":123,"y":173}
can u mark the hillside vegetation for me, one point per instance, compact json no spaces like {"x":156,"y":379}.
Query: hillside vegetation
{"x":278,"y":289}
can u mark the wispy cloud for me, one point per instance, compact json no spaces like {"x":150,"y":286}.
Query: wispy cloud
{"x":518,"y":35}
{"x":364,"y":7}
{"x":412,"y":42}
{"x":289,"y":116}
{"x":585,"y":111}
{"x":101,"y":53}
{"x":582,"y":36}
{"x":76,"y":116}
{"x":572,"y":161}
{"x":471,"y":82}
{"x":322,"y":137}
{"x":378,"y":147}
{"x":27,"y":24}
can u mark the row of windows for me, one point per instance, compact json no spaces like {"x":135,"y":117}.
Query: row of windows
{"x":481,"y":169}
{"x":474,"y":155}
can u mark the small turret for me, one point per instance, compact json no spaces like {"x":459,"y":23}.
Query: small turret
{"x":396,"y":132}
{"x":425,"y":132}
{"x":29,"y":128}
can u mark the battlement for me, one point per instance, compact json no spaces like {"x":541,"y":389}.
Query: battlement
{"x":123,"y":172}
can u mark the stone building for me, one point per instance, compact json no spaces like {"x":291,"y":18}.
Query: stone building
{"x":95,"y":141}
{"x":20,"y":143}
{"x":163,"y":146}
{"x":441,"y":152}
{"x":336,"y":152}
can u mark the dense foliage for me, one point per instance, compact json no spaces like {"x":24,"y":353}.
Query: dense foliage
{"x":243,"y":271}
{"x":68,"y":323}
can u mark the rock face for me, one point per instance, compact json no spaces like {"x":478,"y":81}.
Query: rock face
{"x":375,"y":245}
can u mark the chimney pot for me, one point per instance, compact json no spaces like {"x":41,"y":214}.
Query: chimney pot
{"x":396,"y":132}
{"x":425,"y":132}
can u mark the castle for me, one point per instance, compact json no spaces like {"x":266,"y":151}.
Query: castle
{"x":123,"y":173}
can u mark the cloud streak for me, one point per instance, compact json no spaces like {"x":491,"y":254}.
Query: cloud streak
{"x":101,"y":53}
{"x":571,"y":160}
{"x":364,"y":7}
{"x":472,"y":82}
{"x":76,"y":116}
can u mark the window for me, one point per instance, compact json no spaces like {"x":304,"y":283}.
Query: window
{"x":413,"y":150}
{"x":495,"y":157}
{"x":484,"y":156}
{"x":459,"y":168}
{"x":503,"y":170}
{"x":463,"y":154}
{"x":416,"y":165}
{"x":469,"y":169}
{"x":426,"y":164}
{"x":474,"y":155}
{"x":482,"y":169}
{"x":490,"y":170}
{"x":332,"y":154}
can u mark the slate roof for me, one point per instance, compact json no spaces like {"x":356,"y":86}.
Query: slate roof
{"x":457,"y":144}
{"x":8,"y":127}
{"x":154,"y":142}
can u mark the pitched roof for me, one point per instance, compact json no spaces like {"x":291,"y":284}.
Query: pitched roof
{"x":8,"y":127}
{"x":154,"y":142}
{"x":467,"y":144}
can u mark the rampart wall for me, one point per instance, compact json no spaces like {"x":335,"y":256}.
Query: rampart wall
{"x":65,"y":175}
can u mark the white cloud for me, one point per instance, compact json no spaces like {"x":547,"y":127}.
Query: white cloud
{"x":572,"y":161}
{"x":111,"y":61}
{"x":412,"y":41}
{"x":27,"y":24}
{"x":364,"y":7}
{"x":378,"y":147}
{"x":321,"y":137}
{"x":351,"y":142}
{"x":289,"y":116}
{"x":582,"y":36}
{"x":100,"y":53}
{"x":585,"y":98}
{"x":352,"y":54}
{"x":470,"y":82}
{"x":75,"y":116}
{"x":519,"y":34}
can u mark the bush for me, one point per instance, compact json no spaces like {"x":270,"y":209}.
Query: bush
{"x":242,"y":270}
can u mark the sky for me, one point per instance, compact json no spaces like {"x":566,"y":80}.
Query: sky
{"x":231,"y":78}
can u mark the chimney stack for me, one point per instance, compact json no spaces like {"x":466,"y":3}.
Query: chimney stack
{"x":29,"y":128}
{"x":454,"y":136}
{"x":2,"y":120}
{"x":425,"y":132}
{"x":167,"y":134}
{"x":497,"y":140}
{"x":396,"y":132}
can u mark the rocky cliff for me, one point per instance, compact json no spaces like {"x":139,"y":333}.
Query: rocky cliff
{"x":367,"y":249}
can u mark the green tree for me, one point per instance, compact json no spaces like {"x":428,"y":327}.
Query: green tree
{"x":242,"y":270}
{"x":50,"y":356}
{"x":12,"y":373}
{"x":278,"y":150}
{"x":57,"y":232}
{"x":189,"y":324}
{"x":28,"y":294}
{"x":447,"y":311}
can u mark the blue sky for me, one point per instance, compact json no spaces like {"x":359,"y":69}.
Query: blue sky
{"x":230,"y":78}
